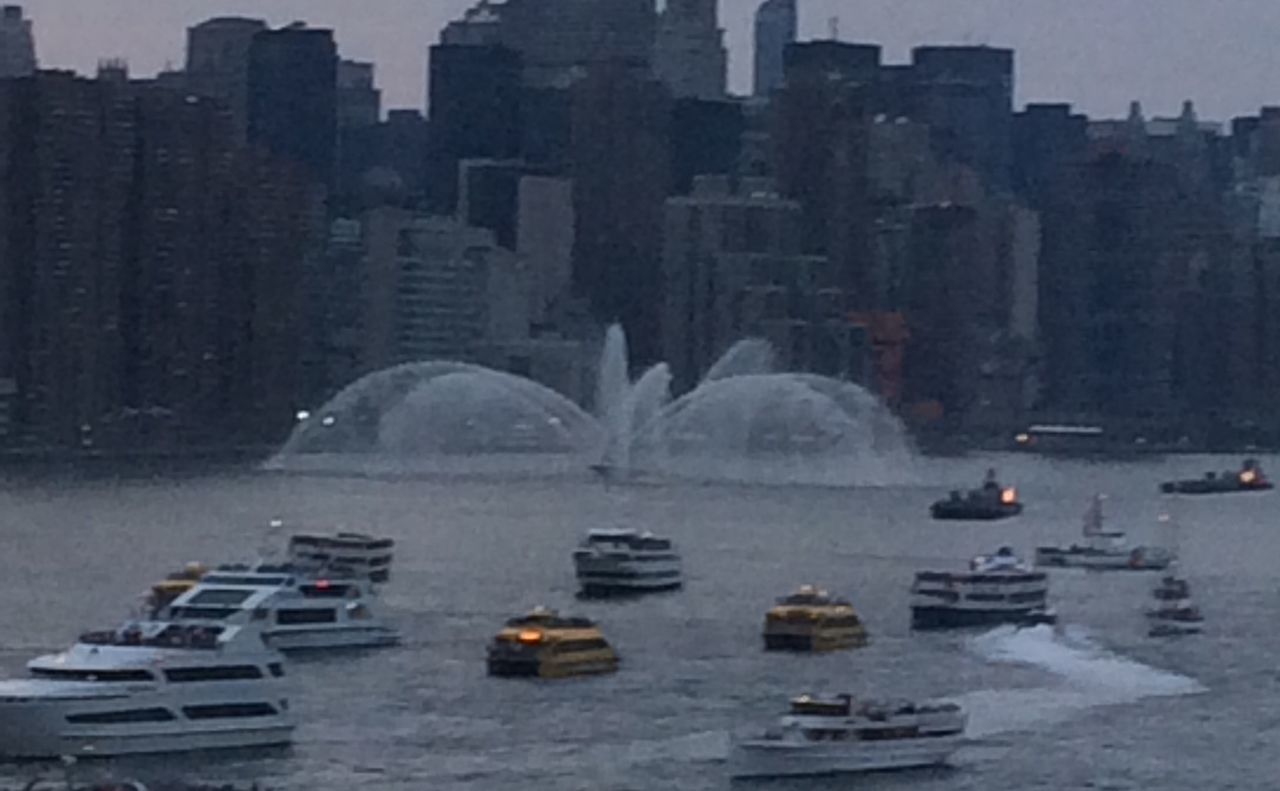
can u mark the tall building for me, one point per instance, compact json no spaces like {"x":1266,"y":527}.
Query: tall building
{"x":293,"y":102}
{"x":359,"y":101}
{"x":151,"y":264}
{"x":621,"y":171}
{"x":775,"y":29}
{"x":218,"y":65}
{"x":437,"y":290}
{"x":474,"y":105}
{"x":689,"y":55}
{"x":965,"y":94}
{"x":17,"y":43}
{"x":733,"y":267}
{"x":706,"y":138}
{"x":555,"y":39}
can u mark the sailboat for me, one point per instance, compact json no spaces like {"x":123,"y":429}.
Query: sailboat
{"x":1103,"y":549}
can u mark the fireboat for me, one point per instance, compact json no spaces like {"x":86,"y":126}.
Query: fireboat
{"x":1249,"y":478}
{"x":990,"y":502}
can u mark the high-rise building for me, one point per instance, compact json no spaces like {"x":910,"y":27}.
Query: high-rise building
{"x":218,"y":65}
{"x":620,"y":166}
{"x":359,"y":101}
{"x":775,"y":29}
{"x":17,"y":43}
{"x":689,"y":55}
{"x":733,"y":267}
{"x":150,"y":267}
{"x":474,"y":106}
{"x":706,"y":138}
{"x":965,"y":94}
{"x":437,"y":290}
{"x":555,"y":39}
{"x":293,"y":103}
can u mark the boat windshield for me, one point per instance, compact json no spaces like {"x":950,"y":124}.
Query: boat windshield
{"x":157,"y":635}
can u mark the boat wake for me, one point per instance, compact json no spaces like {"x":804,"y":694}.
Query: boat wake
{"x":1087,"y":675}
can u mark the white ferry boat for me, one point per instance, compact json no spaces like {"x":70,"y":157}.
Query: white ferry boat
{"x":365,"y":555}
{"x":298,"y":608}
{"x":1104,"y":549}
{"x":1173,"y":614}
{"x":837,"y":735}
{"x":148,"y":687}
{"x":997,"y":589}
{"x":614,"y":562}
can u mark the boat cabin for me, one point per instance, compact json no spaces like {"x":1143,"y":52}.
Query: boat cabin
{"x":809,"y":596}
{"x":628,"y":539}
{"x":542,"y":618}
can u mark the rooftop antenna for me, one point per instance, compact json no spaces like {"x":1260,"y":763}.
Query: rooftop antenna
{"x":833,"y":26}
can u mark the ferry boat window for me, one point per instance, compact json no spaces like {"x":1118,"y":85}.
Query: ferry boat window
{"x":92,"y":675}
{"x":217,"y":596}
{"x":276,"y":669}
{"x":119,"y":717}
{"x":251,"y":581}
{"x":208,"y":613}
{"x":311,"y":615}
{"x":180,"y":675}
{"x":228,"y":711}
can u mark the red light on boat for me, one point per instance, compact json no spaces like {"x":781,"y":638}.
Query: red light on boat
{"x":322,"y":584}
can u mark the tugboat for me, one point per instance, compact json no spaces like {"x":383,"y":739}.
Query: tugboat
{"x":991,"y":502}
{"x":997,"y":589}
{"x":812,"y":620}
{"x":1173,"y":614}
{"x":1104,"y":550}
{"x":624,"y":562}
{"x":1249,"y":478}
{"x":545,"y":645}
{"x":838,"y":735}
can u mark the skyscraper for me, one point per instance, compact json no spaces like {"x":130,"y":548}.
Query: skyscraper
{"x":17,"y":44}
{"x":359,"y":102}
{"x":475,"y":112}
{"x":776,"y":27}
{"x":218,"y":65}
{"x":293,"y":103}
{"x":689,"y":55}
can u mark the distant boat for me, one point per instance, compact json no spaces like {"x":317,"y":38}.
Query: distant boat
{"x":1249,"y":478}
{"x":1104,"y":549}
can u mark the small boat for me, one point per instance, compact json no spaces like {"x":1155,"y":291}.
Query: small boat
{"x":997,"y":589}
{"x":363,"y":555}
{"x":1249,"y":478}
{"x":622,"y":562}
{"x":545,"y":645}
{"x":148,"y":687}
{"x":164,"y":592}
{"x":812,"y":620}
{"x":991,"y":502}
{"x":1173,"y":613}
{"x":300,"y":608}
{"x":1104,"y":549}
{"x":839,"y":735}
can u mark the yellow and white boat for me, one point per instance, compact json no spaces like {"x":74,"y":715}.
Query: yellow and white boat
{"x":812,"y":620}
{"x":164,"y":592}
{"x":545,"y":645}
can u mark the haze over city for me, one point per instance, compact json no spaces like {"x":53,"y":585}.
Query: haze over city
{"x":1097,"y":54}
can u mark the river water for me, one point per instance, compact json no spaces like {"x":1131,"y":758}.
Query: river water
{"x":1094,"y":704}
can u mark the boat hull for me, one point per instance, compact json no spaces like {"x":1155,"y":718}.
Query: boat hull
{"x":614,"y":589}
{"x":778,"y":758}
{"x":336,"y":638}
{"x":1136,"y":560}
{"x":927,"y":618}
{"x":968,"y":512}
{"x":39,"y":730}
{"x":1218,"y":486}
{"x":603,"y":575}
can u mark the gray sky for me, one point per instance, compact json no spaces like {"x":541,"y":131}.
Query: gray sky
{"x":1096,"y":53}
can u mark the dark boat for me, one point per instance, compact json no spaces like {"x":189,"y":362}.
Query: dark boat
{"x":992,"y":501}
{"x":1249,"y":478}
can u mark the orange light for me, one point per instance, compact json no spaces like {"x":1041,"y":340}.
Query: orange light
{"x":529,"y":637}
{"x":1023,"y":438}
{"x":1009,"y":496}
{"x":1248,"y":476}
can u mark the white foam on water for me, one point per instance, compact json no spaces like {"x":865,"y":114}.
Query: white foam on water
{"x":1087,"y":675}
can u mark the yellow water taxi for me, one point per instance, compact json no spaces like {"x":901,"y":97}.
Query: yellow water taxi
{"x":545,"y":645}
{"x":812,"y":620}
{"x":163,"y":593}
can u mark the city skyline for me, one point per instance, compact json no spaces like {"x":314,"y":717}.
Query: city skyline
{"x":1096,"y":54}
